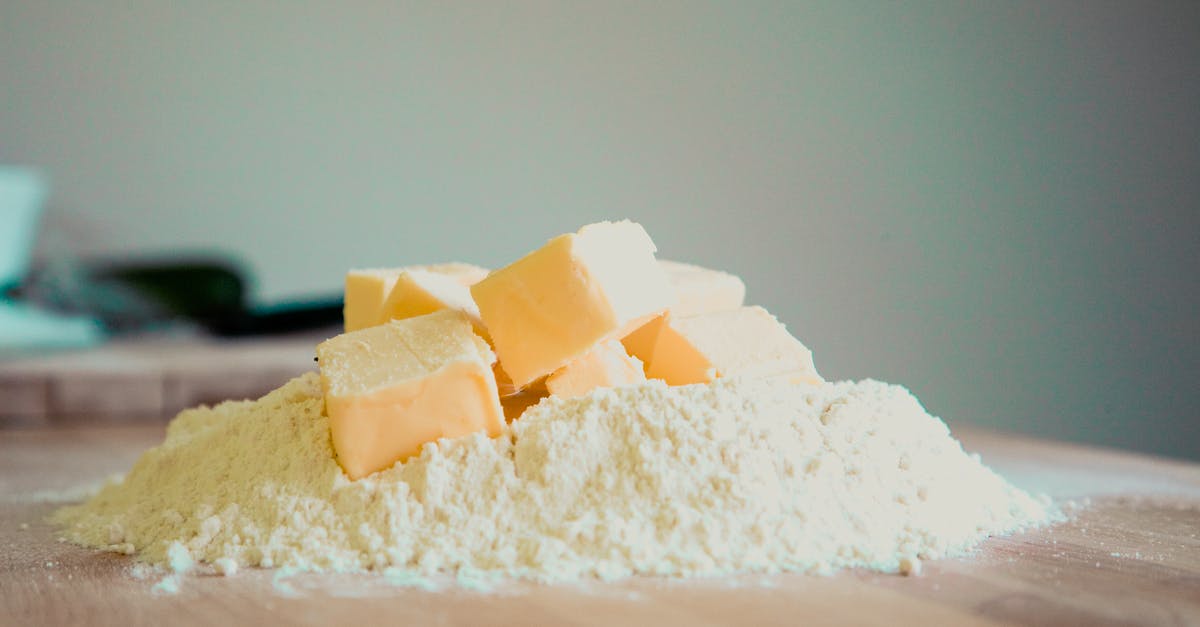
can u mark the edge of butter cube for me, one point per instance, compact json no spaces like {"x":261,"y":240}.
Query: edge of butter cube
{"x":418,"y":292}
{"x":365,"y":290}
{"x":556,"y":303}
{"x":391,"y":388}
{"x":605,"y":366}
{"x":702,"y":290}
{"x":747,"y":341}
{"x":697,"y":290}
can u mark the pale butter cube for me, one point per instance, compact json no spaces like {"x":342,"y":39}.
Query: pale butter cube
{"x":606,"y":366}
{"x":553,"y":305}
{"x":697,"y":290}
{"x":701,"y":290}
{"x":746,"y":341}
{"x":419,"y":292}
{"x":391,"y":388}
{"x":367,"y":289}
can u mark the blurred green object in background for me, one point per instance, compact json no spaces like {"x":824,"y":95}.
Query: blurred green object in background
{"x":22,"y":192}
{"x":211,"y":292}
{"x":23,"y":327}
{"x":153,"y":293}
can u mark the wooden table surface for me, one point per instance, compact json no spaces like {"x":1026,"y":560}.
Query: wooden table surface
{"x":1131,"y":555}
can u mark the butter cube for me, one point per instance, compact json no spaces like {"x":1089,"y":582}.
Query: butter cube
{"x":553,"y":305}
{"x":702,"y":290}
{"x":606,"y":366}
{"x":367,"y":289}
{"x":746,"y":341}
{"x":393,"y":387}
{"x":697,"y":290}
{"x":641,"y":342}
{"x":418,"y":292}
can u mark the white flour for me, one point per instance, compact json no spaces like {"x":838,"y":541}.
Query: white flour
{"x":703,"y":480}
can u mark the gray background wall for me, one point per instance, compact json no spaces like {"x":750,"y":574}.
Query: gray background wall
{"x":993,"y":203}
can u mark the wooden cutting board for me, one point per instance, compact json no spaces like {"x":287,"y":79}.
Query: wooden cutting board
{"x":145,"y":378}
{"x":1130,"y":555}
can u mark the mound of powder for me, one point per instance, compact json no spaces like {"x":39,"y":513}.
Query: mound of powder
{"x":701,"y":480}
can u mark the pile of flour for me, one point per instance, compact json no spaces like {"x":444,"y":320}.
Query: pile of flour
{"x":700,"y":480}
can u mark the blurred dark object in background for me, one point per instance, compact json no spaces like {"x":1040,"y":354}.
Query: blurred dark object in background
{"x":157,"y":293}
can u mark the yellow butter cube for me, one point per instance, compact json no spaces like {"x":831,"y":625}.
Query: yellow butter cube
{"x":419,"y":292}
{"x":605,"y":366}
{"x":641,"y":342}
{"x":696,"y":290}
{"x":702,"y":290}
{"x":553,"y":305}
{"x":367,"y":289}
{"x":391,"y":388}
{"x":746,"y":341}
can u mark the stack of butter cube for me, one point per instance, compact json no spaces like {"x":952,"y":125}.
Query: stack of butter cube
{"x":446,"y":350}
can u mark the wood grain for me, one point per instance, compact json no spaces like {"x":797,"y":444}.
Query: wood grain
{"x":1129,"y":555}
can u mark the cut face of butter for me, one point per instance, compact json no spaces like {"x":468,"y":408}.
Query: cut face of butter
{"x":641,"y":342}
{"x":367,"y":289}
{"x":605,"y":366}
{"x":419,"y":292}
{"x":393,"y":387}
{"x":553,"y":305}
{"x":697,"y":291}
{"x":746,"y":341}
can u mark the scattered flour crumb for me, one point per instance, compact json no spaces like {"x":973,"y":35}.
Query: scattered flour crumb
{"x":141,"y":571}
{"x":910,"y":565}
{"x":225,"y":566}
{"x":704,"y":480}
{"x":167,"y":585}
{"x":281,"y":584}
{"x":478,"y":581}
{"x":179,"y":559}
{"x":409,"y":579}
